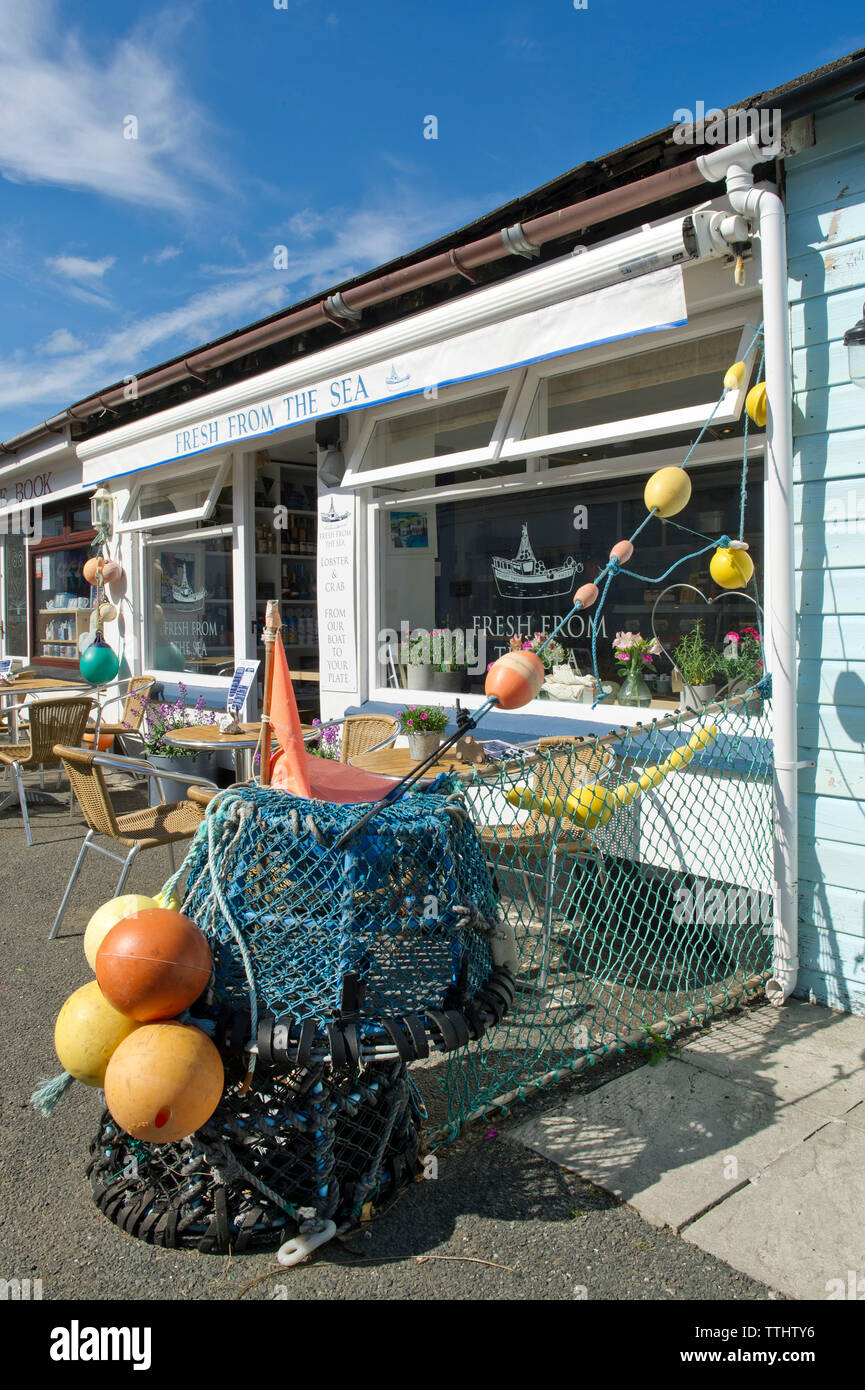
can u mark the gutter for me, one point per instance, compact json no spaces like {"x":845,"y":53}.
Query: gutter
{"x":762,"y":207}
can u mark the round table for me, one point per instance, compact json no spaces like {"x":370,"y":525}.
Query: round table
{"x":207,"y":738}
{"x":398,"y":762}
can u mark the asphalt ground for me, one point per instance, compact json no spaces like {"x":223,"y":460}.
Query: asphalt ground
{"x":498,"y":1222}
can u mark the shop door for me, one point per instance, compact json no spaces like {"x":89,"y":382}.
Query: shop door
{"x":13,"y":641}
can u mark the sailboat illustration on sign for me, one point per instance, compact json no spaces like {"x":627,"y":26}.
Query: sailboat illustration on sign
{"x":395,"y":377}
{"x":333,"y":515}
{"x":527,"y":577}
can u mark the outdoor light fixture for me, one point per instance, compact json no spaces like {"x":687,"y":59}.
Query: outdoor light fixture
{"x":332,"y":470}
{"x":102,"y":513}
{"x":854,"y":342}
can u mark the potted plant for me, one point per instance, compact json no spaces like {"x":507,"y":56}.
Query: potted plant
{"x":327,"y":745}
{"x":696,"y":663}
{"x":424,"y":726}
{"x":636,"y":655}
{"x":741,"y":663}
{"x":419,"y":668}
{"x":160,"y":717}
{"x":449,"y":673}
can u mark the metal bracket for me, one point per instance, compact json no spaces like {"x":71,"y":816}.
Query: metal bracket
{"x":340,"y":313}
{"x":804,"y":762}
{"x":518,"y":243}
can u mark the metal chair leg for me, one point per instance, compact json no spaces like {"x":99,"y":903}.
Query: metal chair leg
{"x":124,"y":872}
{"x":22,"y":799}
{"x":75,"y":872}
{"x":171,"y":858}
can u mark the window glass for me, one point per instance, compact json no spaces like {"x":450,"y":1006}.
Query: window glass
{"x":645,"y":383}
{"x":507,"y":566}
{"x":448,"y":427}
{"x":181,"y":493}
{"x":63,"y":601}
{"x":191,"y":606}
{"x":15,"y":611}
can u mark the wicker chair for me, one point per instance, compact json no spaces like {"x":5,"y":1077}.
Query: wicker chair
{"x":361,"y":733}
{"x":544,"y":839}
{"x":132,"y":716}
{"x":150,"y":828}
{"x":51,"y":722}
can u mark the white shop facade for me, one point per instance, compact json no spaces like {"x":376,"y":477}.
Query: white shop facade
{"x":461,"y":470}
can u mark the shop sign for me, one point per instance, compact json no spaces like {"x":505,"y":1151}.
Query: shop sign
{"x":337,"y":642}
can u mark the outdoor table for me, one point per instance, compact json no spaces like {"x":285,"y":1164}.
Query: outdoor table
{"x":206,"y":738}
{"x":14,"y":691}
{"x":398,"y":762}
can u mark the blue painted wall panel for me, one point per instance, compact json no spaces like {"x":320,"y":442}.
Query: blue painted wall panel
{"x":825,"y":194}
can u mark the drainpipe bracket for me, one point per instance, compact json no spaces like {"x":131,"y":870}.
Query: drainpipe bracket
{"x":340,"y":313}
{"x":518,"y":243}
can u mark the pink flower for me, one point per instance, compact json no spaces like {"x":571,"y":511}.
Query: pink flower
{"x":423,"y":716}
{"x":647,"y":658}
{"x":732,"y":636}
{"x":622,"y":656}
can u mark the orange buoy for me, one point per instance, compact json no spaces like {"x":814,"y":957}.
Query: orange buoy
{"x":586,"y":595}
{"x":515,"y":679}
{"x":153,"y":965}
{"x":622,"y":551}
{"x":93,"y":569}
{"x":164,"y":1082}
{"x":87,"y":1032}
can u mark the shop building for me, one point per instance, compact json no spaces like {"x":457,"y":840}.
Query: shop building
{"x":453,"y":442}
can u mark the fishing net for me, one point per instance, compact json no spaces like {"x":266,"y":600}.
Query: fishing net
{"x":498,"y":931}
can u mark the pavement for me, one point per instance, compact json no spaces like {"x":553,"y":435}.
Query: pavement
{"x":500,"y":1221}
{"x":749,"y":1142}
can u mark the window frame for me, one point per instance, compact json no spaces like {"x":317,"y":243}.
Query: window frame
{"x":132,"y":523}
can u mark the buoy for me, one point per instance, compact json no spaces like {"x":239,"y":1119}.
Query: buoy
{"x":735,"y":377}
{"x":515,"y":679}
{"x":93,"y":569}
{"x":153,"y":965}
{"x":164,"y":1082}
{"x":112,"y":572}
{"x":668,"y":491}
{"x":87,"y":1031}
{"x":591,"y":805}
{"x":731,"y":569}
{"x":622,"y":551}
{"x":586,"y":595}
{"x":108,"y":915}
{"x":107,"y":612}
{"x":756,"y":403}
{"x":98,"y":663}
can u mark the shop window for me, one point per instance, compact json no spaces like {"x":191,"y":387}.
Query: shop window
{"x":195,"y":495}
{"x":461,"y":427}
{"x":61,"y":598}
{"x":506,"y":567}
{"x":190,"y":601}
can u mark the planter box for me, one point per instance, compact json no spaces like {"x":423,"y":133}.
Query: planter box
{"x":196,"y":765}
{"x":419,"y":677}
{"x":452,"y":681}
{"x":694,"y":697}
{"x":423,"y":745}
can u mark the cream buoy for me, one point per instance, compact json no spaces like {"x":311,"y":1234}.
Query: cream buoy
{"x":164,"y":1082}
{"x":87,"y":1032}
{"x":668,"y":491}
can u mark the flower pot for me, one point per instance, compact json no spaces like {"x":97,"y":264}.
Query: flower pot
{"x":422,"y":745}
{"x":694,"y":697}
{"x":634,"y":691}
{"x":419,"y":677}
{"x":193,"y":764}
{"x":451,"y":681}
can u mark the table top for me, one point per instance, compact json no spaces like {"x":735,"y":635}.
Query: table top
{"x":398,"y":762}
{"x":31,"y":685}
{"x":211,"y":736}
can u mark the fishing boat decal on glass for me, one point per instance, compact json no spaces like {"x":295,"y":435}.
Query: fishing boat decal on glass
{"x":527,"y":577}
{"x":395,"y":377}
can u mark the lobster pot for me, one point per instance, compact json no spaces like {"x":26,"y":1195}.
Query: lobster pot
{"x":302,"y":1144}
{"x":384,"y":943}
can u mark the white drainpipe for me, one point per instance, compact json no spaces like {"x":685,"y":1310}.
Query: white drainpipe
{"x":761,"y":206}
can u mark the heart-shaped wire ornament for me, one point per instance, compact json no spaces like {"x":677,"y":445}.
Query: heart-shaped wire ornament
{"x":726,"y":593}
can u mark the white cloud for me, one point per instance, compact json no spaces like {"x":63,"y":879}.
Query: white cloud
{"x":64,"y":109}
{"x":79,"y":267}
{"x":51,"y":377}
{"x":60,"y":341}
{"x":168,"y":253}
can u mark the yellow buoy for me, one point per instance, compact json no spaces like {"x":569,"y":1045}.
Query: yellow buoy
{"x":703,"y":736}
{"x":87,"y":1032}
{"x":668,"y":491}
{"x":591,"y":805}
{"x":107,"y":916}
{"x":172,"y":900}
{"x":731,"y":569}
{"x":756,"y":403}
{"x":735,"y":377}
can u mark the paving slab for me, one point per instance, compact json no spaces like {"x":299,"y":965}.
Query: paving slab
{"x":671,"y":1140}
{"x":800,"y":1053}
{"x":800,"y":1226}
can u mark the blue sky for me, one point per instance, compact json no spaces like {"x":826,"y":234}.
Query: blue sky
{"x":263,"y":123}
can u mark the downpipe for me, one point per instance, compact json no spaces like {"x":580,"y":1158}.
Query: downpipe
{"x":762,"y":207}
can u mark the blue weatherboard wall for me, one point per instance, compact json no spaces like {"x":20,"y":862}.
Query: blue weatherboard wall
{"x":826,"y":231}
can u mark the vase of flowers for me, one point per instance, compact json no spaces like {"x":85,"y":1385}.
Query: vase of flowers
{"x":423,"y":725}
{"x":696,"y":663}
{"x":160,"y":718}
{"x":554,"y":654}
{"x":636,"y":656}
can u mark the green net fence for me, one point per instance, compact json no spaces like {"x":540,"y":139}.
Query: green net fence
{"x":630,"y":928}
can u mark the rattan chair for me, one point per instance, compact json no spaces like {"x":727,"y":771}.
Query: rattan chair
{"x":51,"y":722}
{"x":543,"y":839}
{"x":132,"y":716}
{"x":150,"y":828}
